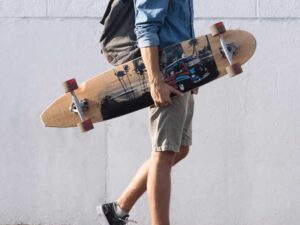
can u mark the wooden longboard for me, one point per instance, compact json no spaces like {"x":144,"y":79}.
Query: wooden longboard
{"x":125,"y":89}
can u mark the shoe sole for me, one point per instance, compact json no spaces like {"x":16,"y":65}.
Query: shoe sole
{"x":101,"y":216}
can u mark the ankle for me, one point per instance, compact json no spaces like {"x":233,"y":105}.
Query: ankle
{"x":121,"y":207}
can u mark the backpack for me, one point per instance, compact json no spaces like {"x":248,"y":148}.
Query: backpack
{"x":118,"y":40}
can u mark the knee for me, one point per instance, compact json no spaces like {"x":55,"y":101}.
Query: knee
{"x":184,"y":151}
{"x":165,"y":157}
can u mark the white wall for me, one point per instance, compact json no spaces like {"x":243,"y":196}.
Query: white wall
{"x":243,"y":168}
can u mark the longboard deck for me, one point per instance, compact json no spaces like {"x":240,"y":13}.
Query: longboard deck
{"x":125,"y":89}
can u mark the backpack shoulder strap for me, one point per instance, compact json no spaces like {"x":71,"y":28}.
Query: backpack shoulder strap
{"x":107,"y":11}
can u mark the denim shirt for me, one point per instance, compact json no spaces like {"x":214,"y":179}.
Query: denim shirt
{"x":160,"y":23}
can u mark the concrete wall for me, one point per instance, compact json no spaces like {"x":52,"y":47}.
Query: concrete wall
{"x":243,"y":168}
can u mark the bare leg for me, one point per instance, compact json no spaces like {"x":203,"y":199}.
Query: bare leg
{"x":138,"y":185}
{"x":159,"y":186}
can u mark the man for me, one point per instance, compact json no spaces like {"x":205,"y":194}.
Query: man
{"x":159,"y":24}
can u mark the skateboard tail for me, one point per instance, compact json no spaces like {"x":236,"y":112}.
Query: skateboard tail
{"x":248,"y":41}
{"x":251,"y":43}
{"x":59,"y":113}
{"x":55,"y":114}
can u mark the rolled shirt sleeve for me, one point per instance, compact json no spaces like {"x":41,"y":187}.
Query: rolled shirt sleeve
{"x":149,"y":17}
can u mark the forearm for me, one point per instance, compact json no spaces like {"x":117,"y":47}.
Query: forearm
{"x":146,"y":29}
{"x":150,"y":57}
{"x":159,"y":90}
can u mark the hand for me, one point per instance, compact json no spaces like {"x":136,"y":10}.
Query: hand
{"x":161,"y":93}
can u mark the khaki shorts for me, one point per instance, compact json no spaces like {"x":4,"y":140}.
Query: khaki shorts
{"x":171,"y":126}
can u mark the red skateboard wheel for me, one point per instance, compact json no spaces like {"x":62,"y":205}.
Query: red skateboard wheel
{"x":234,"y":69}
{"x":70,"y":85}
{"x":217,"y":29}
{"x":86,"y":125}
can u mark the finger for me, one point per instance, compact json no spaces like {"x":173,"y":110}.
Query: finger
{"x":169,"y":101}
{"x":177,"y":93}
{"x":160,"y":104}
{"x":164,"y":103}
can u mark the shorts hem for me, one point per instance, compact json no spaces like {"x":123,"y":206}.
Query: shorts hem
{"x":172,"y":148}
{"x":186,"y":143}
{"x":163,"y":148}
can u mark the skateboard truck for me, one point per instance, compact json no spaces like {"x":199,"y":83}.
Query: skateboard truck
{"x":233,"y":69}
{"x":232,"y":48}
{"x":78,"y":106}
{"x":83,"y":104}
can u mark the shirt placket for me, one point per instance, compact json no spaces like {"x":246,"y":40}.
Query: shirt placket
{"x":191,"y":18}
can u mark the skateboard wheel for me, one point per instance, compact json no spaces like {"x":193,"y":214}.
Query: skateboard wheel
{"x":234,"y":69}
{"x":70,"y":85}
{"x":86,"y":125}
{"x":217,"y":29}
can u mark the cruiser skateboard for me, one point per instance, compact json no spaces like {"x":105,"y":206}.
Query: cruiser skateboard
{"x":125,"y":88}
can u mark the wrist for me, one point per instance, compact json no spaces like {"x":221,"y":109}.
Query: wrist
{"x":155,"y":79}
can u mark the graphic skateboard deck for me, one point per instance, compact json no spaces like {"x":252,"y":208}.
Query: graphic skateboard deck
{"x":125,"y":88}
